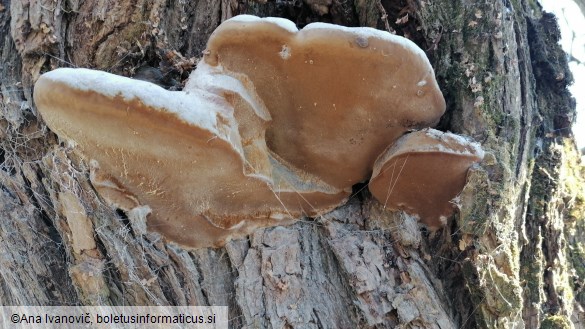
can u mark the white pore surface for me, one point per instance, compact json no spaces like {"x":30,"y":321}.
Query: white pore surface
{"x":461,"y":140}
{"x":215,"y":79}
{"x":368,"y":32}
{"x":281,"y":22}
{"x":195,"y":107}
{"x":364,"y":32}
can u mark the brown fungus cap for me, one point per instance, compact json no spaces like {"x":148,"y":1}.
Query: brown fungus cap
{"x":337,"y":96}
{"x":423,"y":172}
{"x":274,"y":124}
{"x":177,"y":152}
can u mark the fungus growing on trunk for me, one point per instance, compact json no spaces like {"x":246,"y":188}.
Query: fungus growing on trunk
{"x":179,"y":153}
{"x":274,"y":124}
{"x":341,"y":94}
{"x":423,"y":172}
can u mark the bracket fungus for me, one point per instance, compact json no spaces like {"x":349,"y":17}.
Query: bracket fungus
{"x":273,"y":124}
{"x":423,"y":172}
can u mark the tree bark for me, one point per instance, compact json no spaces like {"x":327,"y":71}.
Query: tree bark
{"x":512,"y":258}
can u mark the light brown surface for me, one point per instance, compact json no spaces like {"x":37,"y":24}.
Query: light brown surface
{"x":192,"y":180}
{"x":422,"y":173}
{"x":292,"y":133}
{"x":338,"y":99}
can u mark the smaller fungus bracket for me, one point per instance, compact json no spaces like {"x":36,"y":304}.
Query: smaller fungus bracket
{"x":423,"y":172}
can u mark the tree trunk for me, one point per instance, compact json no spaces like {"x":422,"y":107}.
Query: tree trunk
{"x":512,"y":258}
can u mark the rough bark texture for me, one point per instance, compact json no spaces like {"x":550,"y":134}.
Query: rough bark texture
{"x":513,"y":257}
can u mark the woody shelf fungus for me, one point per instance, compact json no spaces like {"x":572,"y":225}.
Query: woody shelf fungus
{"x":274,"y":124}
{"x":423,"y":172}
